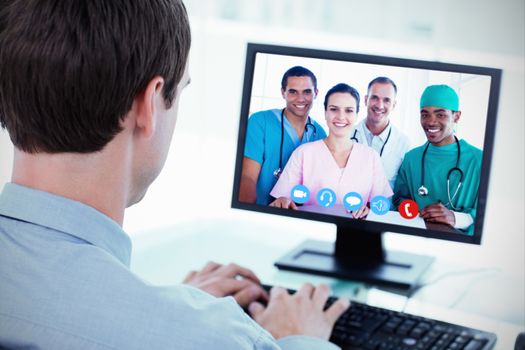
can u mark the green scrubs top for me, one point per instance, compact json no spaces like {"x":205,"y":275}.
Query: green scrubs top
{"x":438,"y":161}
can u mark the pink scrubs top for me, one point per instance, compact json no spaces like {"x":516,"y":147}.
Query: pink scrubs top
{"x":313,"y":166}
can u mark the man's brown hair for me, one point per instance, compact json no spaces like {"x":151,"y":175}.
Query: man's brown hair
{"x":69,"y":70}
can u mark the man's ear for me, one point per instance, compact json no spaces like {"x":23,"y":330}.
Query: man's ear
{"x":147,"y":104}
{"x":456,"y":116}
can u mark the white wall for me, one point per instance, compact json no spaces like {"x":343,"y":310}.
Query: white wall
{"x":473,"y":91}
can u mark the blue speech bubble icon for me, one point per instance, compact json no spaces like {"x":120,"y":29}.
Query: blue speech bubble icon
{"x":326,"y":197}
{"x":353,"y":201}
{"x":300,"y":194}
{"x":380,"y":205}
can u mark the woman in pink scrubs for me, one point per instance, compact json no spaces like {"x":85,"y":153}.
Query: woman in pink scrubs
{"x":336,"y":162}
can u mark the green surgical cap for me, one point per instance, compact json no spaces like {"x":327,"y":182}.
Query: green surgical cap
{"x":442,"y":96}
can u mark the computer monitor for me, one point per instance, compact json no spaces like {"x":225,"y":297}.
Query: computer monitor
{"x":391,"y":183}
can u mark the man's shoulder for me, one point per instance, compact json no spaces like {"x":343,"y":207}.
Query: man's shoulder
{"x":400,"y":135}
{"x":265,"y":114}
{"x":263,"y":120}
{"x":415,"y":153}
{"x":467,"y":146}
{"x":398,"y":131}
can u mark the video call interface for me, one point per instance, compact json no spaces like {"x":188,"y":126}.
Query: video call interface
{"x":393,"y":176}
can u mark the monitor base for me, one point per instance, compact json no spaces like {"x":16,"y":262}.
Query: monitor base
{"x":396,"y":269}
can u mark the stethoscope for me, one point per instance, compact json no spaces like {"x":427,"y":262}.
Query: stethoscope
{"x":384,"y":144}
{"x":423,"y":191}
{"x":277,"y":172}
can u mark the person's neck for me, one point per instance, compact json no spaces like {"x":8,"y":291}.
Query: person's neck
{"x":95,"y":179}
{"x":446,"y":141}
{"x":338,"y":144}
{"x":297,"y":122}
{"x":377,"y":128}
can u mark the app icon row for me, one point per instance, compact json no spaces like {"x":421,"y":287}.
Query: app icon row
{"x":352,"y":200}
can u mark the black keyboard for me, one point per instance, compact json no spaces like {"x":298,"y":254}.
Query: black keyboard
{"x":372,"y":328}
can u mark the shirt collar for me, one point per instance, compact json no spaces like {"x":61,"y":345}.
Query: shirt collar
{"x":67,"y":216}
{"x":382,"y":136}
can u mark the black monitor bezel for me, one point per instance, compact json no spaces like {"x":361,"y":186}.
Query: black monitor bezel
{"x":494,"y":73}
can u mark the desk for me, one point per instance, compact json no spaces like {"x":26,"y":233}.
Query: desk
{"x":164,"y":256}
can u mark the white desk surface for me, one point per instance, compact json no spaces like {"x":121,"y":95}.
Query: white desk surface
{"x":482,"y":298}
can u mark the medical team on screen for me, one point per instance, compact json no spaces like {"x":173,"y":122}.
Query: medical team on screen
{"x":288,"y":156}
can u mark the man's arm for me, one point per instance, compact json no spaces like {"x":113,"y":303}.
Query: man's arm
{"x":249,"y":177}
{"x":440,"y":214}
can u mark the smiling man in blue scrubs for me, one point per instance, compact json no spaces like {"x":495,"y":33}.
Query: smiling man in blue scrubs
{"x":273,"y":135}
{"x":89,"y":95}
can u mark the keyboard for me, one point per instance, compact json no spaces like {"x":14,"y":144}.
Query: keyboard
{"x":364,"y":327}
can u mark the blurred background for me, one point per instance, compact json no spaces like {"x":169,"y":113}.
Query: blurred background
{"x":197,"y":180}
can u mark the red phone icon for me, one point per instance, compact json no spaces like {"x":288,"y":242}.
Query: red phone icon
{"x":408,"y":209}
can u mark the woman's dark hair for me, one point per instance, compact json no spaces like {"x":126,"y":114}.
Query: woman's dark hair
{"x":344,"y":88}
{"x":71,"y":69}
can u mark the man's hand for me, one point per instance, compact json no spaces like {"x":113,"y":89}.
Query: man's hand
{"x":299,"y":314}
{"x":283,"y":202}
{"x":223,"y":280}
{"x":438,"y":213}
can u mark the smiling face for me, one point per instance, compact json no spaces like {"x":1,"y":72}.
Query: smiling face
{"x":299,"y":94}
{"x":341,"y":113}
{"x":438,"y":124}
{"x":380,"y":101}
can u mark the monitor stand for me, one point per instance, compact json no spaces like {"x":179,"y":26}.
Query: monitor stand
{"x":357,"y":255}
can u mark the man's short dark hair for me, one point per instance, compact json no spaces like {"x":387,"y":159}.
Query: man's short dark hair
{"x":343,"y":88}
{"x":71,"y":69}
{"x":298,"y":71}
{"x":382,"y":80}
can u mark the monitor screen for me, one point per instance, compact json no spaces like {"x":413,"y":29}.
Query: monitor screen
{"x":370,"y":143}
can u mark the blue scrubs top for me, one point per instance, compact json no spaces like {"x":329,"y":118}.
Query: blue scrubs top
{"x":263,"y":142}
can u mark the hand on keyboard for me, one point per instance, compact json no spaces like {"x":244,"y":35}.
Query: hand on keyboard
{"x":223,"y":280}
{"x":364,"y":327}
{"x":302,"y":313}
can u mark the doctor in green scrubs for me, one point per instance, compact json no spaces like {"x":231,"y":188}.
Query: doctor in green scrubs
{"x":443,"y":174}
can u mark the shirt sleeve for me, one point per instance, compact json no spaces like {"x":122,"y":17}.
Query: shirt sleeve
{"x":255,"y":138}
{"x":463,"y":220}
{"x":292,"y":175}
